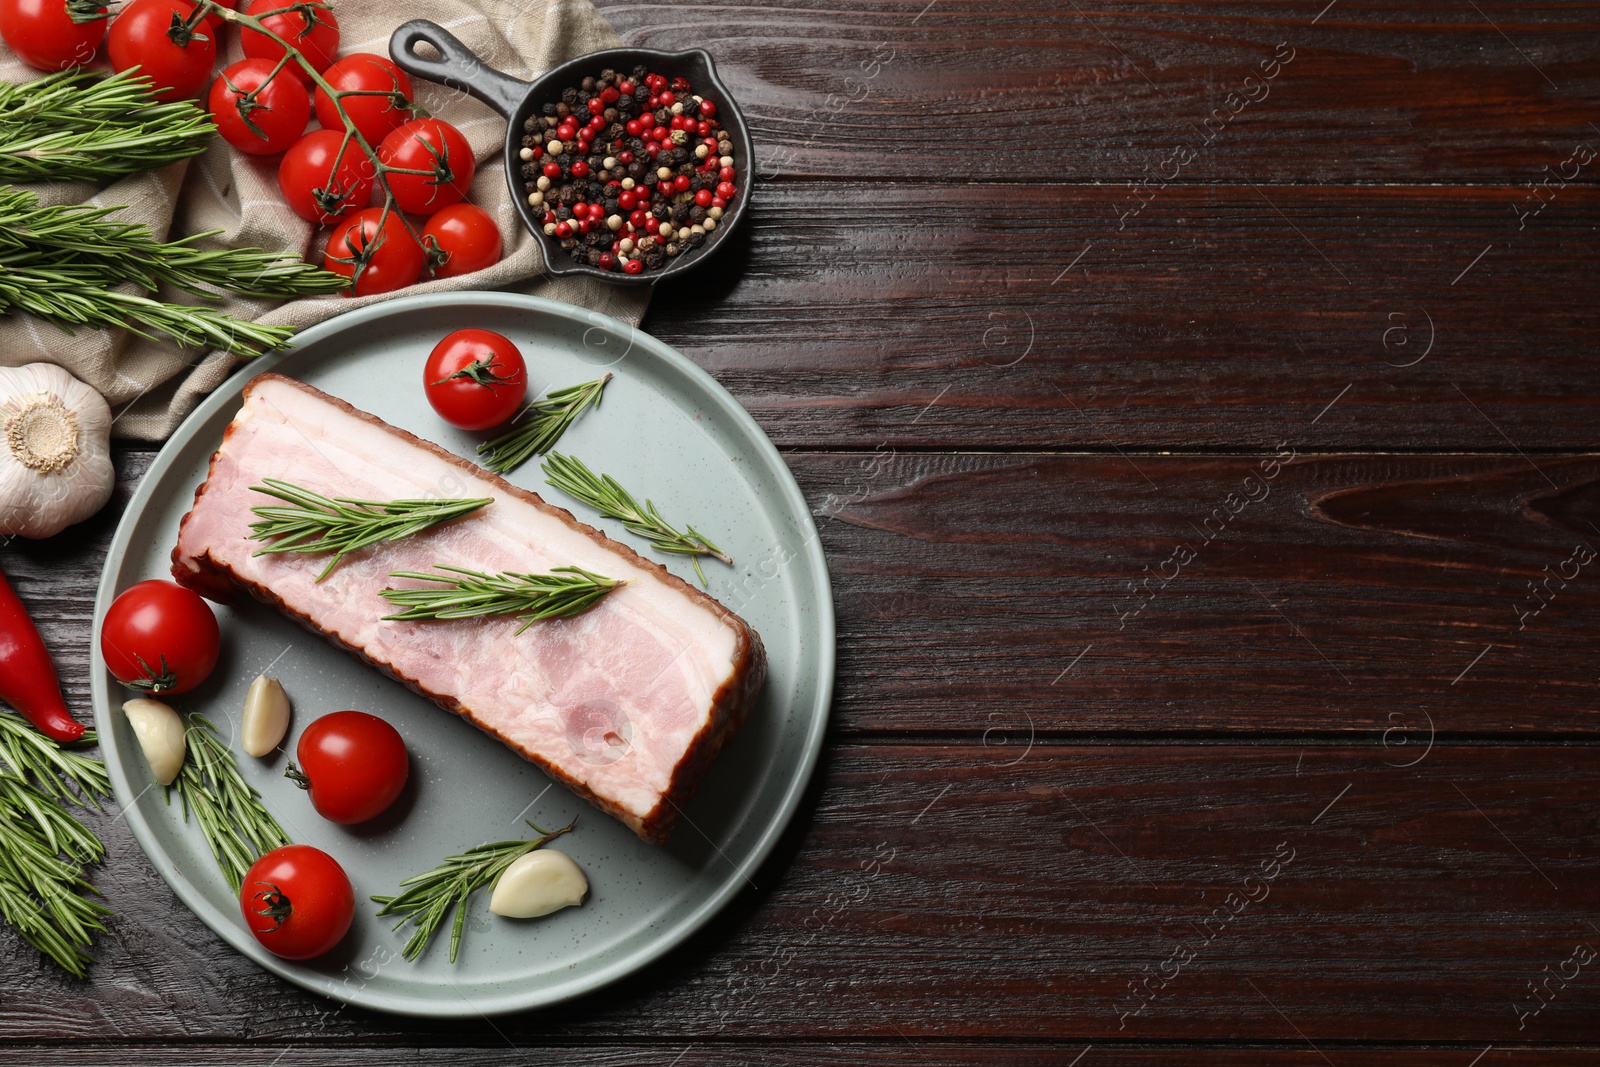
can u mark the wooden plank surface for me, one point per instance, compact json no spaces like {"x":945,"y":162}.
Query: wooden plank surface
{"x":951,"y":892}
{"x":1394,"y":598}
{"x":1034,"y":316}
{"x":1372,"y":90}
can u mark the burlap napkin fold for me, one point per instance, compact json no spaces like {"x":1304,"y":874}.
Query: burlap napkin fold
{"x":153,"y":384}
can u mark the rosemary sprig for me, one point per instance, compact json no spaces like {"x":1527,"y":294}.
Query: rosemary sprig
{"x":43,"y":855}
{"x":44,"y":850}
{"x":427,"y":899}
{"x":539,"y":425}
{"x":601,"y":492}
{"x":313,"y":523}
{"x":232,"y":818}
{"x":84,"y":236}
{"x":564,"y":591}
{"x":77,"y":126}
{"x":60,"y":772}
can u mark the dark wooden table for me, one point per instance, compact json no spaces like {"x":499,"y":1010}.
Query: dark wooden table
{"x":1199,"y":406}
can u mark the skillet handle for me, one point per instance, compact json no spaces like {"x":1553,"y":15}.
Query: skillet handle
{"x":457,"y":66}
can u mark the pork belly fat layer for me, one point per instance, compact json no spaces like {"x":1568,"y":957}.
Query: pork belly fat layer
{"x":626,"y":703}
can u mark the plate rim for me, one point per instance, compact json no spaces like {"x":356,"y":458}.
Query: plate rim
{"x":659,"y":944}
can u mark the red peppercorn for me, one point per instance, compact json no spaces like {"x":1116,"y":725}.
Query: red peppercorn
{"x":703,"y":198}
{"x":549,"y":217}
{"x":609,"y":95}
{"x":635,"y":127}
{"x":637,"y":216}
{"x":584,"y":225}
{"x":596,"y":105}
{"x":643,"y":194}
{"x":597,"y":211}
{"x":652,"y":224}
{"x":633,"y":266}
{"x":552,"y":170}
{"x":580,"y":208}
{"x":627,"y":201}
{"x":653,"y":148}
{"x":626,"y":87}
{"x":624,"y":158}
{"x":668,"y":98}
{"x":703,"y":129}
{"x":563,"y":230}
{"x":708,"y":109}
{"x":580,"y":169}
{"x":654,"y":102}
{"x":607,"y":261}
{"x":717,"y":201}
{"x":724,"y":189}
{"x":681,"y":183}
{"x":726,"y":174}
{"x":566,"y":131}
{"x":680,"y":84}
{"x":661,"y":133}
{"x":646,"y":121}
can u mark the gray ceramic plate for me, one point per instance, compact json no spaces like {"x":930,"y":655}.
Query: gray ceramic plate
{"x":664,"y":425}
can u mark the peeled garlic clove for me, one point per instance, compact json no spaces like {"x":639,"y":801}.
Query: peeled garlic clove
{"x":537,"y":884}
{"x":266,"y":716}
{"x":160,"y":733}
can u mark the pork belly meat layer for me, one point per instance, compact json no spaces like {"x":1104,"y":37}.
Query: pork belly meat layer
{"x":626,"y":704}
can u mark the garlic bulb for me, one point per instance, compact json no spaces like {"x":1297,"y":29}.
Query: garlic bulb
{"x":55,"y":444}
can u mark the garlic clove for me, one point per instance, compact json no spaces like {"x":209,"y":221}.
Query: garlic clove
{"x":161,"y":736}
{"x":539,"y":883}
{"x":266,"y":716}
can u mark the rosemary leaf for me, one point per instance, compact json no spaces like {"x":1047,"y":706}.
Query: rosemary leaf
{"x":60,"y":772}
{"x":539,"y":425}
{"x":601,"y":492}
{"x":232,"y":818}
{"x":427,"y":899}
{"x":312,"y":523}
{"x":78,"y":126}
{"x":563,"y":592}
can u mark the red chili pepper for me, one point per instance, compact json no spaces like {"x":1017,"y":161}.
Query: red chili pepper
{"x":28,"y":680}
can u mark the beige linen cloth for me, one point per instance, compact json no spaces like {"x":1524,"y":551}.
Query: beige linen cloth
{"x":153,"y":385}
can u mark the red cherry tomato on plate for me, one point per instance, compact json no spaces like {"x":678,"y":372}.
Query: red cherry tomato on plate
{"x":475,"y":379}
{"x":257,"y":116}
{"x":467,"y":236}
{"x":298,"y":901}
{"x":44,"y":36}
{"x":353,"y":764}
{"x":441,"y":152}
{"x":142,"y":35}
{"x":159,"y":637}
{"x":317,"y":40}
{"x":380,"y":258}
{"x":374,"y":116}
{"x":309,"y":184}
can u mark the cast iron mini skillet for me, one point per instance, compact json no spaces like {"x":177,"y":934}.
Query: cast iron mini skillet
{"x":458,"y":68}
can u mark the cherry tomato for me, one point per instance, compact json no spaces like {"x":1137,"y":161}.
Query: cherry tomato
{"x":317,"y":40}
{"x":44,"y":36}
{"x":307,"y":180}
{"x":374,"y":116}
{"x":353,"y":764}
{"x":467,"y":236}
{"x":298,"y":901}
{"x":257,"y":116}
{"x":438,"y":149}
{"x":158,"y":637}
{"x":143,"y":36}
{"x":475,"y":379}
{"x":378,"y":259}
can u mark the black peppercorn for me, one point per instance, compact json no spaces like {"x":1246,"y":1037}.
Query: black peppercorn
{"x":563,"y":212}
{"x":696,"y":239}
{"x":697,"y":214}
{"x":530,"y":171}
{"x":608,"y":75}
{"x":610,"y":115}
{"x":639,"y":72}
{"x":680,"y":214}
{"x":530,"y":124}
{"x":587,"y":85}
{"x":569,"y":95}
{"x":529,"y":140}
{"x":654,"y":259}
{"x":564,"y":161}
{"x":548,"y":109}
{"x":569,"y":244}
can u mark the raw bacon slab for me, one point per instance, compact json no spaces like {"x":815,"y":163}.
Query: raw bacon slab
{"x":626,"y":704}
